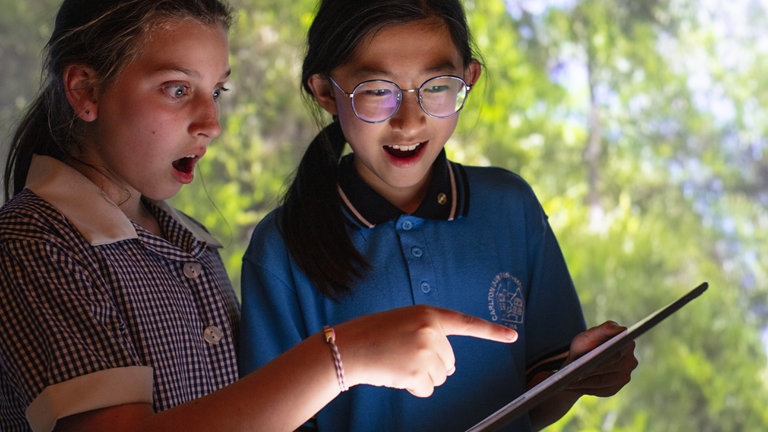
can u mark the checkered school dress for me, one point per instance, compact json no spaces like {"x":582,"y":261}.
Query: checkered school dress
{"x":95,"y":311}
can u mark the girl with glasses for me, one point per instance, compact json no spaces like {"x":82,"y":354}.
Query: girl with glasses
{"x":394,"y":223}
{"x":116,"y":313}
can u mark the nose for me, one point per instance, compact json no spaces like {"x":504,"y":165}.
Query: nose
{"x":205,"y":121}
{"x":409,"y":118}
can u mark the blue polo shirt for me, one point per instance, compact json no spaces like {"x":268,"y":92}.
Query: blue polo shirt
{"x":496,"y":259}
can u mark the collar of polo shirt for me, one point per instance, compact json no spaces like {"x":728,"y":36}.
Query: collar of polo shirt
{"x":447,"y":197}
{"x":89,"y":210}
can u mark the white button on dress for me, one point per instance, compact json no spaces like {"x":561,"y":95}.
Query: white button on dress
{"x":212,"y":335}
{"x":192,"y":270}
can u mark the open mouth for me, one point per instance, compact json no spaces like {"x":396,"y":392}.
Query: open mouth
{"x":404,"y":152}
{"x":185,"y":164}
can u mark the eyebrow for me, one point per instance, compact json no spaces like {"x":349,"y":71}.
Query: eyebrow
{"x":190,"y":72}
{"x":370,"y":71}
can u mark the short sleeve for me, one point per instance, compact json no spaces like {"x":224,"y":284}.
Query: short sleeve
{"x":554,"y":311}
{"x":65,"y":348}
{"x":272,"y":321}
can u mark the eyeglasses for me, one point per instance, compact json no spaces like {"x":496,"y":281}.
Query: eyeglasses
{"x":376,"y":101}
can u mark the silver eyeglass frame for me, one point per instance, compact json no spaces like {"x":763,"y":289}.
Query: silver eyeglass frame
{"x":400,"y":96}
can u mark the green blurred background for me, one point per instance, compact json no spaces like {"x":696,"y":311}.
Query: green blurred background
{"x":640,"y":124}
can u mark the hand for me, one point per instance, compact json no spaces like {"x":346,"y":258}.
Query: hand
{"x":408,"y":347}
{"x":611,"y":375}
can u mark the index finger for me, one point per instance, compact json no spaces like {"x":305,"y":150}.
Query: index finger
{"x":459,"y":324}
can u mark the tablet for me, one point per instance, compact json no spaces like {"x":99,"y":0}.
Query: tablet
{"x":580,"y":367}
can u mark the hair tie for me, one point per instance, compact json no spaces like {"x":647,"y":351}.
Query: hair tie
{"x":330,"y":337}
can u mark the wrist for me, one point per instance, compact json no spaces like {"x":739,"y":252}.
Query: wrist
{"x":353,"y":373}
{"x":330,"y":339}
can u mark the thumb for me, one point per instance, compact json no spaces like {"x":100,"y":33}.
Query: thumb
{"x":594,"y":337}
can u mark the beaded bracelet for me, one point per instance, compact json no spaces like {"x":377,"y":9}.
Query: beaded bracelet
{"x":330,"y":337}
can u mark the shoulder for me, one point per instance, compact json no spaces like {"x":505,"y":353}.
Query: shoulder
{"x":25,"y":205}
{"x":498,"y":183}
{"x":36,"y":241}
{"x":267,"y":264}
{"x":266,"y":241}
{"x":499,"y":194}
{"x":27,"y":217}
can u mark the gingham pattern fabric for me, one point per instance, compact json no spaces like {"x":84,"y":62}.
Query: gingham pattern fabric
{"x":68,"y":309}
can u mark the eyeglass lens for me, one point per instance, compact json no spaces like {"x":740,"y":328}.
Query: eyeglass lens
{"x":440,"y":97}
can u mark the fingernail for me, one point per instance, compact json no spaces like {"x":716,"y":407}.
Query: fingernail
{"x":511,"y":334}
{"x":451,"y":370}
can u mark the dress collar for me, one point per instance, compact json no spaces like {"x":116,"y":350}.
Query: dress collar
{"x":89,"y":210}
{"x":447,"y":197}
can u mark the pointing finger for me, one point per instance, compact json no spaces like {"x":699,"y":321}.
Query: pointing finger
{"x":459,"y":324}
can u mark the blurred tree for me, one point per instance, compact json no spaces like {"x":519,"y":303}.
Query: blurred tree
{"x":631,"y":168}
{"x":24,"y":29}
{"x":640,"y":125}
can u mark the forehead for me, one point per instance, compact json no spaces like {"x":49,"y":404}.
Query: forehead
{"x":183,"y":43}
{"x":421,"y":47}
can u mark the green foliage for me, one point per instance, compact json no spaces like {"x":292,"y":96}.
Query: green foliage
{"x":639,"y":124}
{"x":24,"y":29}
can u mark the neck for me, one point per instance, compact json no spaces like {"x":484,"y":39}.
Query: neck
{"x":128,"y":200}
{"x":137,"y":212}
{"x":408,"y":199}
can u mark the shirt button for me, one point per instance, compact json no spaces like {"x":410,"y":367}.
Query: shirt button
{"x":192,"y":270}
{"x":425,"y":287}
{"x":407,"y":225}
{"x":212,"y":335}
{"x":417,"y":252}
{"x":442,"y":199}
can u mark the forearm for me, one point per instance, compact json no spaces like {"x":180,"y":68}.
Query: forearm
{"x":277,"y":397}
{"x":403,"y":348}
{"x":282,"y":394}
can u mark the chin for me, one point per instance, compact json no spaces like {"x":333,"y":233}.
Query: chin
{"x":409,"y":181}
{"x":161,"y":195}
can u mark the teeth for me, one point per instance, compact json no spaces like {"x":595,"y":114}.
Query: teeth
{"x":405,"y":148}
{"x":190,"y":156}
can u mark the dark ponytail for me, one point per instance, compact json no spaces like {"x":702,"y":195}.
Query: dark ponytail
{"x":104,"y":35}
{"x":34,"y":136}
{"x":312,"y":221}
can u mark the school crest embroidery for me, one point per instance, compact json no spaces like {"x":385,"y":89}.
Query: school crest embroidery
{"x":505,"y":300}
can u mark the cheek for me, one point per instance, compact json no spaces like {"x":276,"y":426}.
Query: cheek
{"x":364,"y":138}
{"x":344,"y":110}
{"x":126,"y":123}
{"x":449,"y":125}
{"x":444,"y":128}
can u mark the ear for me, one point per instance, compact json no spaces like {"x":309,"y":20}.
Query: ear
{"x":79,"y":85}
{"x":475,"y":69}
{"x":322,"y":90}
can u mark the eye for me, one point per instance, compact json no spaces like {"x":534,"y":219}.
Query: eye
{"x":217,"y":93}
{"x":176,"y":91}
{"x":377,"y":92}
{"x":436,"y":88}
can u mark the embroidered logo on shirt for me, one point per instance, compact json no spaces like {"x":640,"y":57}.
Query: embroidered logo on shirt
{"x":505,"y":300}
